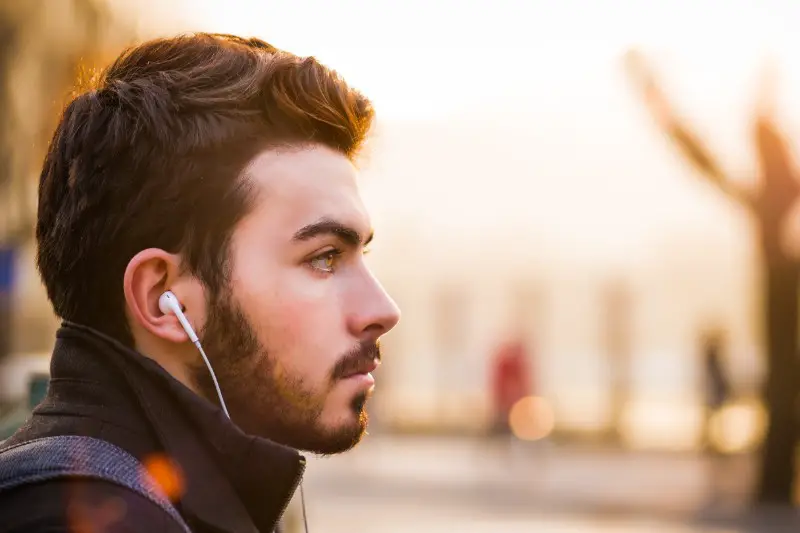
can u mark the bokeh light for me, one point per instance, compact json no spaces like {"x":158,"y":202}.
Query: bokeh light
{"x":738,"y":427}
{"x":531,"y":418}
{"x":166,"y":473}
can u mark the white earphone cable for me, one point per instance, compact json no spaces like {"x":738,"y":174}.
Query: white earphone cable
{"x":213,"y":377}
{"x":303,"y":503}
{"x":225,"y":410}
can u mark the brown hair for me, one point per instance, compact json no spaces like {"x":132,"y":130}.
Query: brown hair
{"x":153,"y":157}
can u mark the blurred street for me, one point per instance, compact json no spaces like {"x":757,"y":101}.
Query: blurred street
{"x":458,"y":484}
{"x":348,"y":514}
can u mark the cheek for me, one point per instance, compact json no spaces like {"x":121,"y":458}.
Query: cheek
{"x":296,"y":317}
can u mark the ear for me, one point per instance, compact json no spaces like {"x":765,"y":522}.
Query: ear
{"x":148,"y":275}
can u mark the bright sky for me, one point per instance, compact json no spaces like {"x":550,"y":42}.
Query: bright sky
{"x":528,"y":107}
{"x":416,"y":51}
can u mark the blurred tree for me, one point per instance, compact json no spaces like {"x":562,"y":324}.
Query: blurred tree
{"x":45,"y":46}
{"x":771,"y":206}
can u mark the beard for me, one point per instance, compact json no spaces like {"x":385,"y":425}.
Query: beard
{"x":262,"y":397}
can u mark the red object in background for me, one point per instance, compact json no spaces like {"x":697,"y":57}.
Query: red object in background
{"x":511,"y":380}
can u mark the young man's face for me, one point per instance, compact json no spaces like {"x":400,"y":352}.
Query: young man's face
{"x":293,"y":336}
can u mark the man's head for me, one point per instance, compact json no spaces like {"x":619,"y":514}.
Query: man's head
{"x":222,"y":169}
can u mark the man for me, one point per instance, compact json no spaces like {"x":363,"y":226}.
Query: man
{"x":219,"y":169}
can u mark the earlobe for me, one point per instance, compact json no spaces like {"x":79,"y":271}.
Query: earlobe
{"x":148,"y":275}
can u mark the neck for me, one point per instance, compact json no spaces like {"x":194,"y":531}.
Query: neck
{"x":175,"y":361}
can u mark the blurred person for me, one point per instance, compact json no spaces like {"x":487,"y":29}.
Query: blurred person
{"x":510,"y":381}
{"x":724,"y":472}
{"x":716,"y":386}
{"x":220,"y":169}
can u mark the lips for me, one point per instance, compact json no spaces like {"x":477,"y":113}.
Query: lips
{"x":360,"y":361}
{"x":362,"y":367}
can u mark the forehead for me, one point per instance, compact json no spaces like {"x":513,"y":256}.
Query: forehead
{"x":299,"y":186}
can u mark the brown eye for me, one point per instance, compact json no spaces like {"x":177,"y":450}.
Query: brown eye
{"x":325,"y":262}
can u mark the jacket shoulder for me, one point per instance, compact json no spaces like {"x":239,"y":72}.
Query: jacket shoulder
{"x":69,"y":505}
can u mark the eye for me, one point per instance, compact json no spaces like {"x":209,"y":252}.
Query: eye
{"x":325,"y":262}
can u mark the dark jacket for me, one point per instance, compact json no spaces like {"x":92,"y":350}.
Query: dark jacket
{"x":228,"y":481}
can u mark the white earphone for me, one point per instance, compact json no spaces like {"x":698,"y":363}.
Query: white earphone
{"x":168,"y":304}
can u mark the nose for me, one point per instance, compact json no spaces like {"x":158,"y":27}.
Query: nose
{"x":375,"y":313}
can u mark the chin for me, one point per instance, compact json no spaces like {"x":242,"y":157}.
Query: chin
{"x":346,"y":433}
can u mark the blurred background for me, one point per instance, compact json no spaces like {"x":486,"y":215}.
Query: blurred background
{"x":587,"y":213}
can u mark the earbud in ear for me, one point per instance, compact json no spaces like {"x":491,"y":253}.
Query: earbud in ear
{"x":169,"y":305}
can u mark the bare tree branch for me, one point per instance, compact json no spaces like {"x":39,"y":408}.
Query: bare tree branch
{"x":781,"y":180}
{"x":680,"y":133}
{"x":701,"y":159}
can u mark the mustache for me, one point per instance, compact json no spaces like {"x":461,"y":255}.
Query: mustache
{"x":362,"y":355}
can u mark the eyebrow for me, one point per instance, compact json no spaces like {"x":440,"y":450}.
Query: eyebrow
{"x":327,"y":226}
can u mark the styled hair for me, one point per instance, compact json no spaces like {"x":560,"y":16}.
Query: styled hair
{"x":153,"y":155}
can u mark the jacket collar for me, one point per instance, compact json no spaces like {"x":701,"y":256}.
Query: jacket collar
{"x":232,"y":481}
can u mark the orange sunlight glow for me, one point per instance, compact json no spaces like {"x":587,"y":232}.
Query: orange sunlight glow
{"x":166,"y":473}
